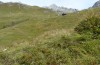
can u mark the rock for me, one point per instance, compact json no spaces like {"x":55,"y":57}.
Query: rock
{"x":97,"y":4}
{"x":4,"y":49}
{"x":61,"y":10}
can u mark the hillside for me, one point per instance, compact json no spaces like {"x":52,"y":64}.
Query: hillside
{"x":20,"y":23}
{"x":30,"y":35}
{"x":25,"y":23}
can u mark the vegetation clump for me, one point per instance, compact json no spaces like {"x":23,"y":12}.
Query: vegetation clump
{"x":90,"y":26}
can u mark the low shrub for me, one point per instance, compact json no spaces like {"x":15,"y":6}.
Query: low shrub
{"x":90,"y":26}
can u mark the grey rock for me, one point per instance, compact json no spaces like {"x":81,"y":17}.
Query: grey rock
{"x":97,"y":4}
{"x":61,"y":10}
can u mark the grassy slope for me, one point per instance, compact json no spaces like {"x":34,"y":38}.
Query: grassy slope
{"x":25,"y":23}
{"x":17,"y":24}
{"x":51,"y":30}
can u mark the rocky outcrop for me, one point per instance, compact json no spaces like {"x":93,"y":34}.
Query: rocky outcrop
{"x":97,"y":4}
{"x":61,"y":10}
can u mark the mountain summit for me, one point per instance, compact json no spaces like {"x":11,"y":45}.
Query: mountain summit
{"x":97,"y":4}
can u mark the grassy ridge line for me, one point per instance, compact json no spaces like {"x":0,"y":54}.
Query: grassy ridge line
{"x":40,"y":23}
{"x":34,"y":14}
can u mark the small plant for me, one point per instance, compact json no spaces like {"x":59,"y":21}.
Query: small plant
{"x":90,"y":26}
{"x":26,"y":59}
{"x":5,"y":59}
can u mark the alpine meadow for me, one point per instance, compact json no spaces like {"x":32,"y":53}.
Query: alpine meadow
{"x":33,"y":35}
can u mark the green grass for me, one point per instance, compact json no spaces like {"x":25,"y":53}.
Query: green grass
{"x":28,"y":23}
{"x":63,"y":50}
{"x":23,"y":24}
{"x":38,"y":36}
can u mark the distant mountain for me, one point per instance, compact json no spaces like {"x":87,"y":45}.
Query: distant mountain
{"x":13,"y":3}
{"x":53,"y":7}
{"x":97,"y":4}
{"x":61,"y":10}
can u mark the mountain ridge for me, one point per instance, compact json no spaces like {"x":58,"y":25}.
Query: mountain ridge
{"x":97,"y":4}
{"x":60,"y":9}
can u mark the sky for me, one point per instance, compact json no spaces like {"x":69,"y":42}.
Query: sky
{"x":77,"y":4}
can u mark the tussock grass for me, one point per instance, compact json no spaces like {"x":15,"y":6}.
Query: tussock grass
{"x":60,"y":50}
{"x":40,"y":37}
